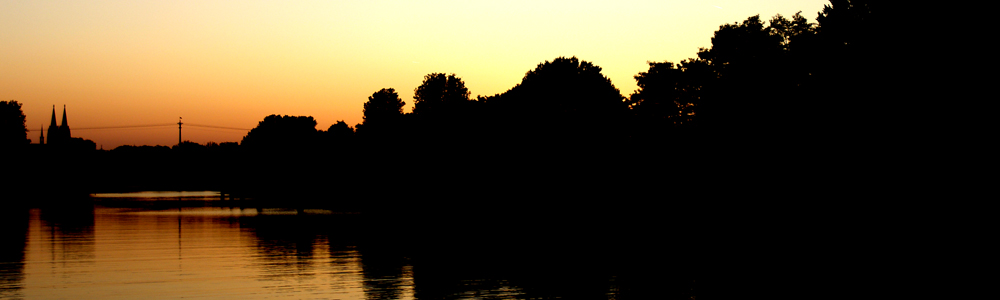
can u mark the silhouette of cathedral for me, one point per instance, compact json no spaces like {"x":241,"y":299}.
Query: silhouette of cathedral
{"x":58,"y":135}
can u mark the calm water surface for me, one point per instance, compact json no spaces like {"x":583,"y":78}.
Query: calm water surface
{"x":141,"y":251}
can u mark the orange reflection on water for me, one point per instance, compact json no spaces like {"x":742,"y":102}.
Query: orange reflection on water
{"x":211,"y":253}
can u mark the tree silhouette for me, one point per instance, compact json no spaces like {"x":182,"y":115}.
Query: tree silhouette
{"x":669,"y":98}
{"x":851,"y":37}
{"x":337,"y":135}
{"x":668,"y":95}
{"x":738,"y":48}
{"x":276,"y":132}
{"x":848,"y":22}
{"x":13,"y":130}
{"x":382,"y":114}
{"x":567,"y":86}
{"x":790,"y":30}
{"x":383,"y":106}
{"x":340,"y":131}
{"x":566,"y":97}
{"x":189,"y":147}
{"x":439,"y":90}
{"x":792,"y":76}
{"x":751,"y":90}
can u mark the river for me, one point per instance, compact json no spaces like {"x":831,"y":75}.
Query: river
{"x":170,"y":245}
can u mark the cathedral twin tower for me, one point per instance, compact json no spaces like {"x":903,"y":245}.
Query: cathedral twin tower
{"x":58,"y":135}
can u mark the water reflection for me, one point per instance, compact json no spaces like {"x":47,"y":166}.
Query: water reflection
{"x":70,"y":234}
{"x":14,"y":240}
{"x":289,"y":252}
{"x":386,"y":269}
{"x":214,"y":252}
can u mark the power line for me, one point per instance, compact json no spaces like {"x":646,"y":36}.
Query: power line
{"x":160,"y":125}
{"x":123,"y":127}
{"x":202,"y":129}
{"x":216,"y":127}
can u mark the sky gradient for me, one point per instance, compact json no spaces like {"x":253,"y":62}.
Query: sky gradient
{"x":231,"y":63}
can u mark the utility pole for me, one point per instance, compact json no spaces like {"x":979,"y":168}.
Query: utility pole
{"x":179,"y":123}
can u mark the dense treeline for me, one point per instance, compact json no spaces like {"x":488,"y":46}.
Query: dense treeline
{"x":763,"y":83}
{"x":771,"y":79}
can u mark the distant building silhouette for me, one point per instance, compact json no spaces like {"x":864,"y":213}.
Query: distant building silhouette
{"x":58,"y":134}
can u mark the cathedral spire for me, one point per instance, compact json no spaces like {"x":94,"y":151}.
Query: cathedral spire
{"x":64,"y":124}
{"x":53,"y":129}
{"x":64,"y":127}
{"x":53,"y":124}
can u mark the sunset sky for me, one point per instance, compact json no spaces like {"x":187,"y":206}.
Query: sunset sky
{"x":231,"y":63}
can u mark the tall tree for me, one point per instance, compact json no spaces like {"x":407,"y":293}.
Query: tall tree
{"x":790,"y":30}
{"x":383,"y":114}
{"x":565,"y":97}
{"x":848,"y":22}
{"x":850,"y":55}
{"x":668,"y":95}
{"x":751,"y":90}
{"x":439,"y":90}
{"x":13,"y":130}
{"x":383,"y":106}
{"x":741,"y":47}
{"x":566,"y":87}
